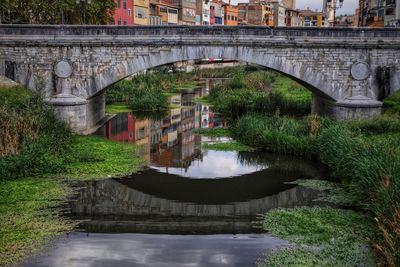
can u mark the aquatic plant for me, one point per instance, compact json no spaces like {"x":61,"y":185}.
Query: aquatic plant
{"x":320,"y":237}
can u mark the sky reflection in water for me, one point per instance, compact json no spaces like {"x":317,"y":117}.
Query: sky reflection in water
{"x":159,"y":250}
{"x":215,"y":164}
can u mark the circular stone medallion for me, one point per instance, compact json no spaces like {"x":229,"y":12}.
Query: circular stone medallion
{"x":63,"y":69}
{"x":360,"y":71}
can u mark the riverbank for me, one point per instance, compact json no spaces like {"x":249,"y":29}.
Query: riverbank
{"x":40,"y":160}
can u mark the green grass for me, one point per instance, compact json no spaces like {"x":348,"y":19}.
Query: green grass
{"x":117,"y":108}
{"x":28,"y":218}
{"x":203,"y":100}
{"x":98,"y":158}
{"x":320,"y":237}
{"x":231,"y":146}
{"x":187,"y":85}
{"x":216,"y":132}
{"x":291,"y":89}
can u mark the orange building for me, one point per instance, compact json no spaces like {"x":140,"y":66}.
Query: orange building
{"x":231,"y":14}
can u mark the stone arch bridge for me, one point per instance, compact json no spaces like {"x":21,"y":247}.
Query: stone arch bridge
{"x":349,"y":71}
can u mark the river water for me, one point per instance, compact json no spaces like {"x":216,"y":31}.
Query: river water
{"x":191,"y":206}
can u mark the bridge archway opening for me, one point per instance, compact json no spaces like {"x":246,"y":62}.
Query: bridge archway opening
{"x":314,"y":91}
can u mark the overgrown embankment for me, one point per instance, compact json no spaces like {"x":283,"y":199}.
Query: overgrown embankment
{"x":364,"y":155}
{"x":38,"y":154}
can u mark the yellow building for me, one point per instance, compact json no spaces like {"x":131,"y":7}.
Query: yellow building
{"x":141,"y":10}
{"x":310,"y":18}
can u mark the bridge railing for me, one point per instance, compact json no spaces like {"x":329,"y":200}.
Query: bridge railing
{"x":170,"y":30}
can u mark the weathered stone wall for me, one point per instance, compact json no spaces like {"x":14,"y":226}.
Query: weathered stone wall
{"x":322,"y":59}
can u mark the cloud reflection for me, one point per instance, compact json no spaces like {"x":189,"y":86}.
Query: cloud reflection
{"x":80,"y":250}
{"x":215,"y":164}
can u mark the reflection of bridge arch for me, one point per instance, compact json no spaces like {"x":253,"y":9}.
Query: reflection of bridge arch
{"x":100,"y":56}
{"x":102,"y":201}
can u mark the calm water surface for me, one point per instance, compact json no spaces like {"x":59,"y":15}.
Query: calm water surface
{"x":190,"y":207}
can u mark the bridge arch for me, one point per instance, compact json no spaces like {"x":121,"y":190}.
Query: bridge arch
{"x":315,"y":81}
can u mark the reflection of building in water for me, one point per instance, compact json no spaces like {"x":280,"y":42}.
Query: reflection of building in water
{"x":142,"y":138}
{"x":178,"y":140}
{"x":207,"y":117}
{"x":155,"y":134}
{"x":188,"y":99}
{"x":170,"y":141}
{"x":121,"y":128}
{"x":175,"y":100}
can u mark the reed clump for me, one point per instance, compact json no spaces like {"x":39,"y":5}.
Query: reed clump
{"x":32,"y":140}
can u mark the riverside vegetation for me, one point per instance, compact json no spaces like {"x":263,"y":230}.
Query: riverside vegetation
{"x":39,"y":160}
{"x":267,"y":112}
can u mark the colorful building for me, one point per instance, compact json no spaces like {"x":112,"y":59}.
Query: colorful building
{"x":203,"y":12}
{"x":279,"y":13}
{"x":141,"y":10}
{"x":292,"y":18}
{"x":163,"y":12}
{"x":217,"y":12}
{"x":123,"y":12}
{"x":256,"y":13}
{"x":187,"y":11}
{"x":231,"y":14}
{"x":379,"y":13}
{"x":310,"y":18}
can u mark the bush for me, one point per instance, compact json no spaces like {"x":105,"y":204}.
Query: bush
{"x":148,"y":99}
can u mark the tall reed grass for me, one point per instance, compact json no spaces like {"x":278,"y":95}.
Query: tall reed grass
{"x":32,"y":140}
{"x":369,"y":166}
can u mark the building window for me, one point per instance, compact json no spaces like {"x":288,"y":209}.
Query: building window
{"x":129,"y":12}
{"x":140,"y":13}
{"x":163,"y":9}
{"x":172,"y":11}
{"x":119,"y":4}
{"x":119,"y":21}
{"x":124,"y":4}
{"x":125,"y":22}
{"x":189,"y":12}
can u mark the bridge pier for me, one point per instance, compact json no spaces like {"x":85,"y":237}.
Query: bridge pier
{"x":356,"y":107}
{"x":79,"y":114}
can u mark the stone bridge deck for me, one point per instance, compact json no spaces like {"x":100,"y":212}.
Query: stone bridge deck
{"x":349,"y":71}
